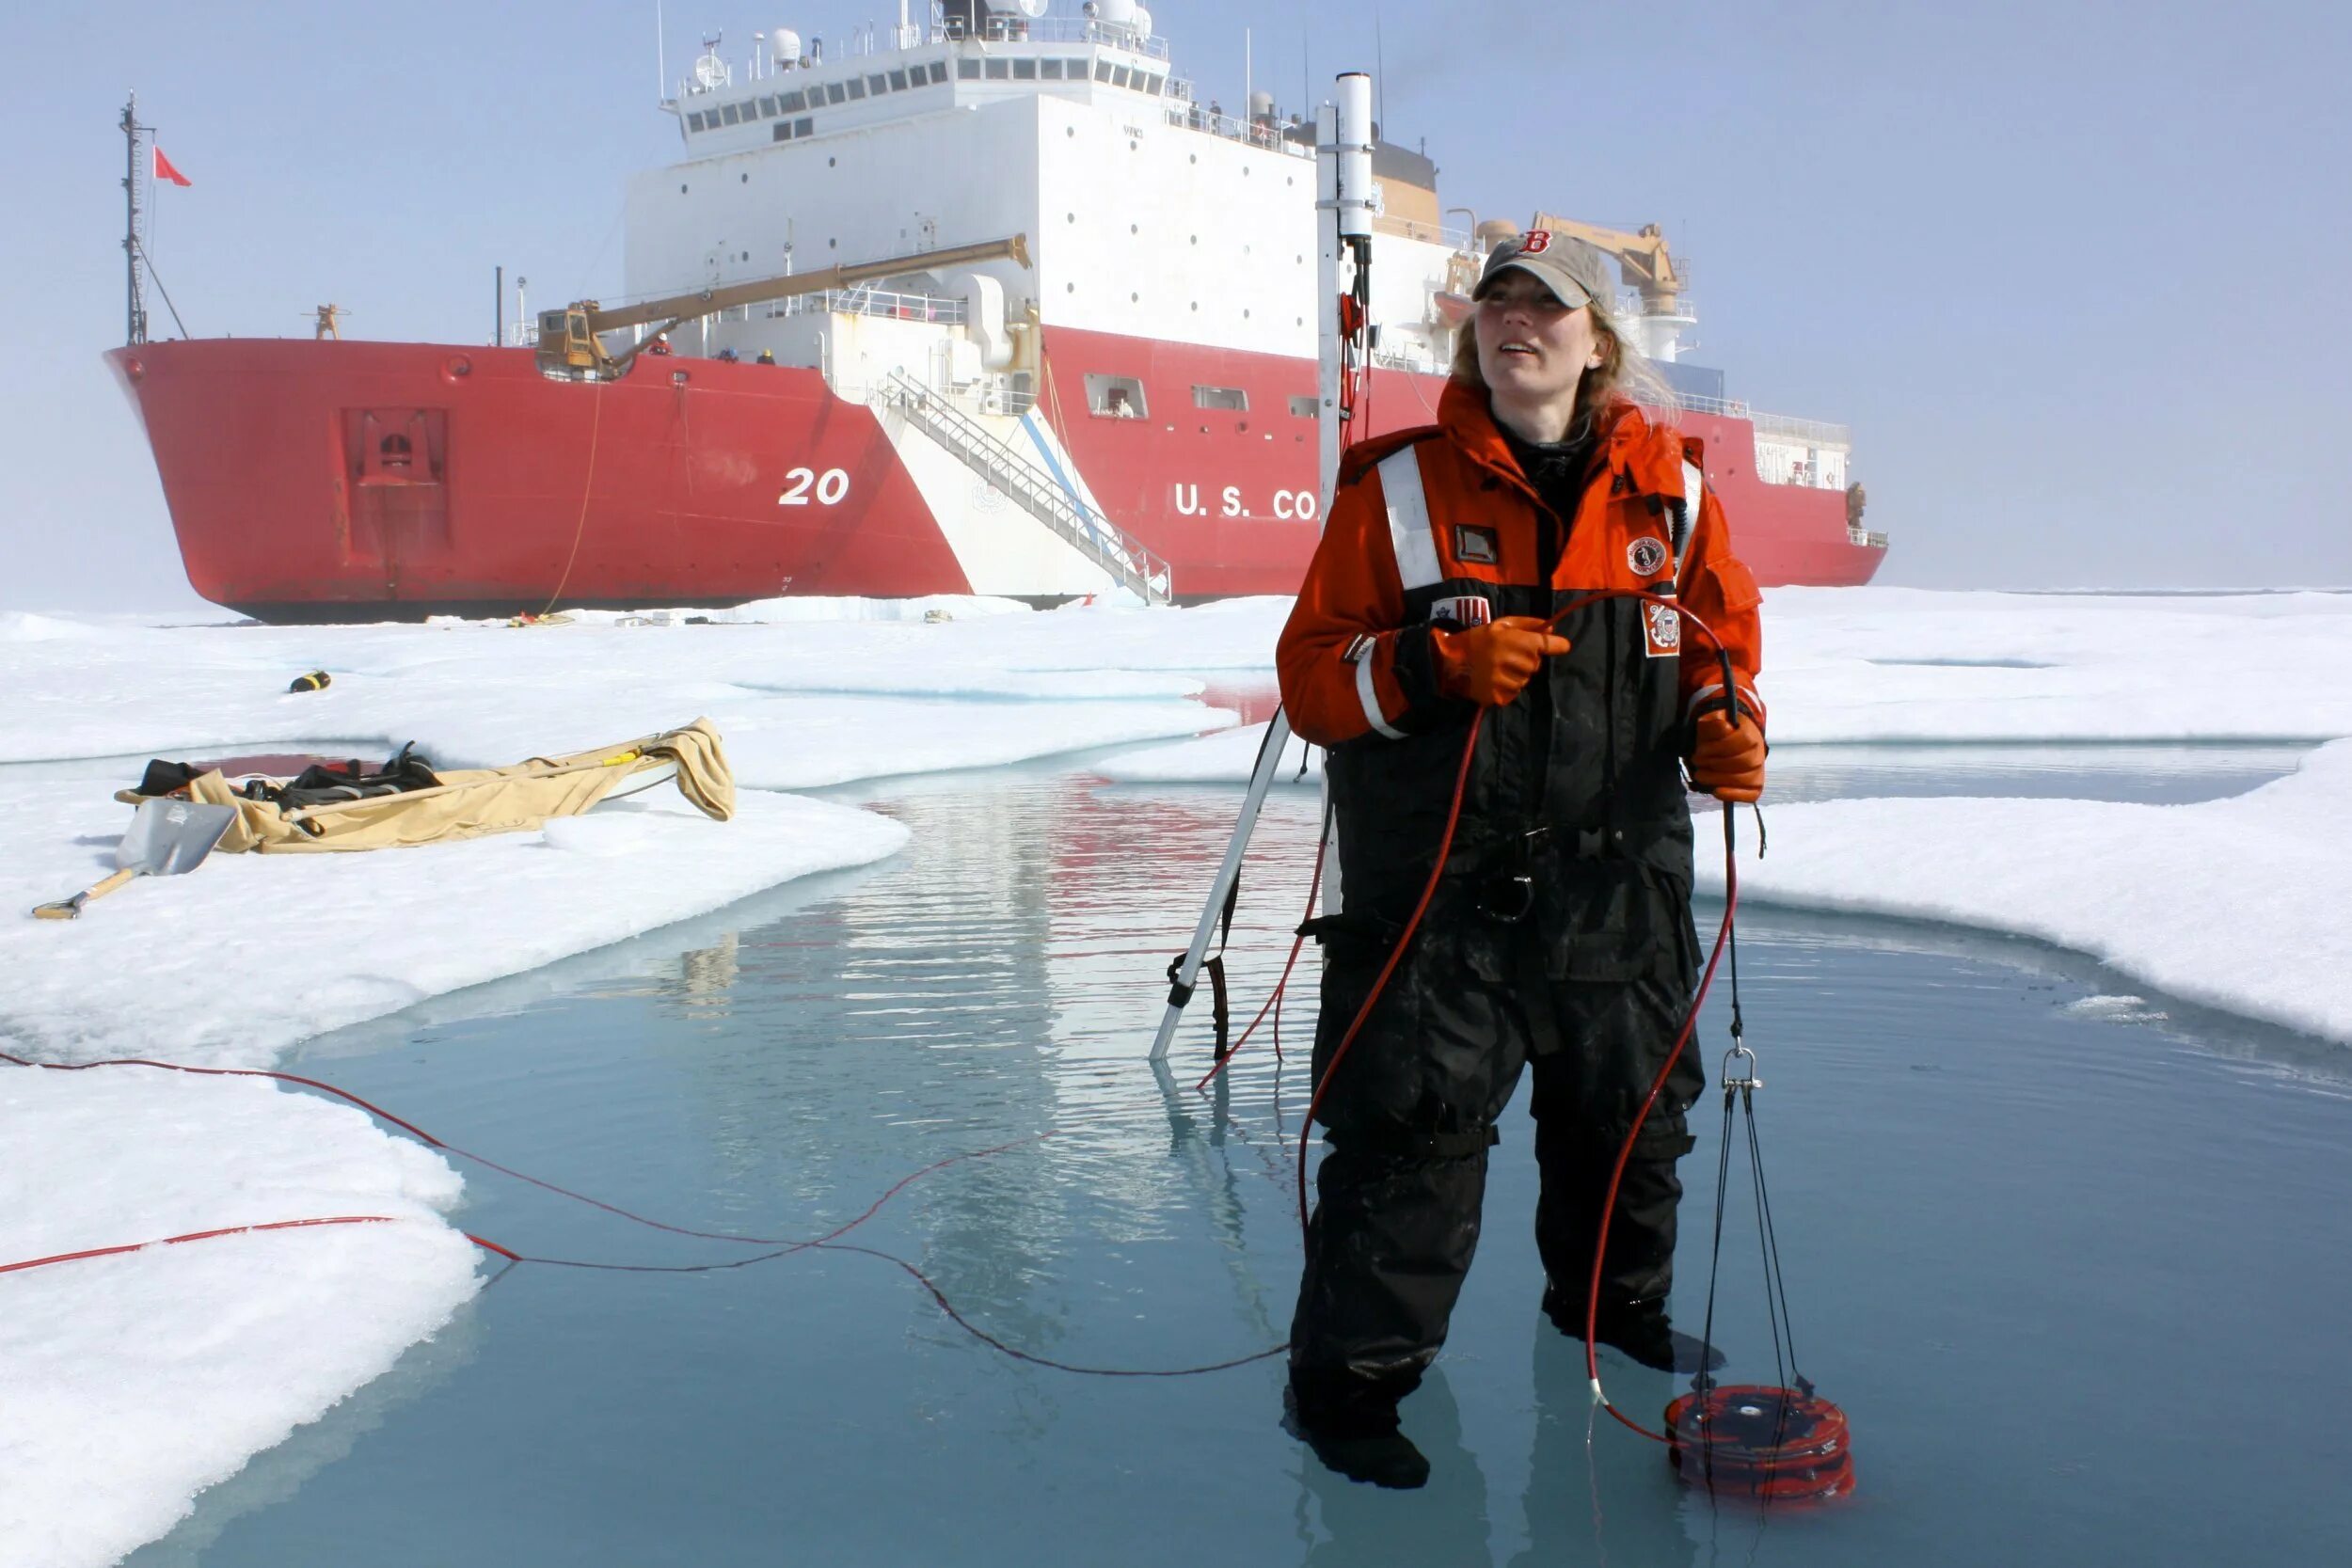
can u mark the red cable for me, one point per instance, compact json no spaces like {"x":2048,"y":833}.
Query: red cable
{"x":230,"y":1230}
{"x":829,"y":1242}
{"x":488,"y":1163}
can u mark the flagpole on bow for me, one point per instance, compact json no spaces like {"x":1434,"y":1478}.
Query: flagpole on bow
{"x":134,"y":301}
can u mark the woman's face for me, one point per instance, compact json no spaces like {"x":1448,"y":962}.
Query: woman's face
{"x":1531,"y":349}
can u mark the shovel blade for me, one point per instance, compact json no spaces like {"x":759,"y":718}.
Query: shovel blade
{"x":169,"y":837}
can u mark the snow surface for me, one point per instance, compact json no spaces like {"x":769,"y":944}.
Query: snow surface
{"x":129,"y":1383}
{"x":2236,"y":904}
{"x":1910,"y":665}
{"x":209,"y":956}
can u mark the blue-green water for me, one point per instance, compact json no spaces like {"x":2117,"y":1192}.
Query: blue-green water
{"x":2072,"y":1266}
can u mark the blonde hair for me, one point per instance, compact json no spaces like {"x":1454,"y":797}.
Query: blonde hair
{"x":1624,"y":374}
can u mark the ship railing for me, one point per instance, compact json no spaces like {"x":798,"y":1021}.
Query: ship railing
{"x":1262,"y":133}
{"x":1734,"y":408}
{"x":1418,"y":362}
{"x":1813,"y":432}
{"x":1055,"y":29}
{"x":1095,"y":536}
{"x":1413,"y":229}
{"x":1868,"y":538}
{"x":886,"y":303}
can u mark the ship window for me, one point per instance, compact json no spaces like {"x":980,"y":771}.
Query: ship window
{"x":747,"y":110}
{"x":1151,"y":85}
{"x":999,"y":70}
{"x":876,"y":86}
{"x":899,"y":80}
{"x":1024,"y":69}
{"x":783,"y":130}
{"x":768,"y":108}
{"x":695,"y":121}
{"x":856,"y":86}
{"x":1050,"y":70}
{"x":967,"y":70}
{"x":792,"y":103}
{"x":1120,"y":77}
{"x":1232,"y":398}
{"x":835,"y":92}
{"x":1116,"y":397}
{"x":1076,"y":69}
{"x":1304,"y":408}
{"x":803,"y":126}
{"x":939,"y":72}
{"x":728,"y":114}
{"x":1102,"y":69}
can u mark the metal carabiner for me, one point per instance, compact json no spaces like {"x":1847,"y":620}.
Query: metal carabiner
{"x":1738,"y":1052}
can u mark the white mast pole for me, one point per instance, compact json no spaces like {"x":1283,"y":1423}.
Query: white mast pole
{"x":1342,"y":223}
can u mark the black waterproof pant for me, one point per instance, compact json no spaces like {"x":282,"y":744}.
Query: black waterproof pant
{"x":1409,"y":1117}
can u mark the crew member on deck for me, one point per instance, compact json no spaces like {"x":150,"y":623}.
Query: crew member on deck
{"x":1560,"y":931}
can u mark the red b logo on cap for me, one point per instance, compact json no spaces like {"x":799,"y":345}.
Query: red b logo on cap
{"x":1534,"y":240}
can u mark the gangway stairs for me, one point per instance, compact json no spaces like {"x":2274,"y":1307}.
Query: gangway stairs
{"x":1087,"y":530}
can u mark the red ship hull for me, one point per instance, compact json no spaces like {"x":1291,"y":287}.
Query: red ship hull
{"x":359,"y":481}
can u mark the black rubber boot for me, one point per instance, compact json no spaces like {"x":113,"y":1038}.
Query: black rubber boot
{"x":1357,"y":1441}
{"x":1641,"y":1329}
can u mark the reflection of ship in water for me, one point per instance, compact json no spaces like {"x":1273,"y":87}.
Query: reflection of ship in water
{"x":996,"y":982}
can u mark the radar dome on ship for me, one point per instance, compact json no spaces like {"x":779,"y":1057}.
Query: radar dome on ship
{"x":1495,"y":230}
{"x":785,"y":45}
{"x":1116,"y":14}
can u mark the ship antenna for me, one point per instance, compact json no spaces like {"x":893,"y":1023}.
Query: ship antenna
{"x":135,"y":289}
{"x":660,"y":59}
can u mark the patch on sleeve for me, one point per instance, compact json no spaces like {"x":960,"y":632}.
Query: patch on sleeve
{"x":1476,"y":547}
{"x":1467,"y":609}
{"x":1662,"y":630}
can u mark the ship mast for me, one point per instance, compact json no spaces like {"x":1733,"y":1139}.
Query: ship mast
{"x":135,"y":300}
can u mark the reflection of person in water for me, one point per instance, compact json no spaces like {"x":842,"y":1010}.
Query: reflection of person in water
{"x":1615,"y":1499}
{"x":1447,"y":1523}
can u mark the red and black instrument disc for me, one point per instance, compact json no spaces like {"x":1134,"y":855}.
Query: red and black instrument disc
{"x":1775,"y":1444}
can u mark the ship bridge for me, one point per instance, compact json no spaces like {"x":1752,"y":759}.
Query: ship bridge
{"x":968,"y":55}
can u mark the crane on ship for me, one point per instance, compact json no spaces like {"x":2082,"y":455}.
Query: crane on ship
{"x":1642,"y":255}
{"x":571,"y":344}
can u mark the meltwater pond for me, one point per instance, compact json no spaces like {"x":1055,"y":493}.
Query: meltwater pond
{"x":2071,"y":1261}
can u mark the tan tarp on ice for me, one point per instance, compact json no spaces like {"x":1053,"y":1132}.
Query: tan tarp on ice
{"x":470,"y":804}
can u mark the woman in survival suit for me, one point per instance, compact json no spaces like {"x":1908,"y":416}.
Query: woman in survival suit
{"x":1561,"y":932}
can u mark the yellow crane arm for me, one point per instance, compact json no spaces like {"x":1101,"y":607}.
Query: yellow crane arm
{"x":569,"y":338}
{"x":1643,"y":256}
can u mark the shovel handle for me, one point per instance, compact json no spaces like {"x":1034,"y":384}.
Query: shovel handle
{"x":71,"y":909}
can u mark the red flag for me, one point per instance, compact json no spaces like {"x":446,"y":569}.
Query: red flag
{"x":164,"y":171}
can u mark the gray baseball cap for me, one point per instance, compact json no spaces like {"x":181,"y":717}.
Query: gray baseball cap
{"x":1574,"y":272}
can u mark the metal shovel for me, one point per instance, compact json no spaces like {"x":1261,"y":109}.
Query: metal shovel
{"x":166,"y":838}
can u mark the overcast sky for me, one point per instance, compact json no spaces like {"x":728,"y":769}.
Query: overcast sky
{"x":2075,"y":273}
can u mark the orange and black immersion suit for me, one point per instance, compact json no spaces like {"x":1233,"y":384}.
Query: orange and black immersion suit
{"x":1560,"y":931}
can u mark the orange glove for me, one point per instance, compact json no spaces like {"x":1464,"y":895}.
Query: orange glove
{"x":1728,"y":762}
{"x":1490,"y":664}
